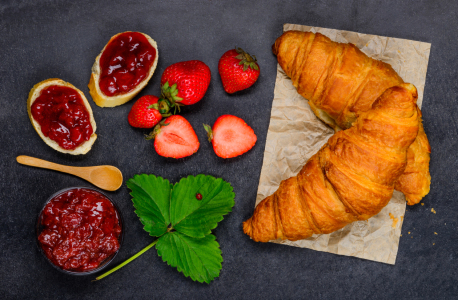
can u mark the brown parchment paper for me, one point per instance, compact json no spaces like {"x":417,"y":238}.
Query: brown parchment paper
{"x":295,"y":134}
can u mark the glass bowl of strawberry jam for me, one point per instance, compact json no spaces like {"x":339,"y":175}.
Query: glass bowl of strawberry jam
{"x":80,"y":230}
{"x":125,"y":63}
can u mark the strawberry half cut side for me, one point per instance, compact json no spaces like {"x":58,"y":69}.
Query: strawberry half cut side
{"x":174,"y":137}
{"x":230,"y":136}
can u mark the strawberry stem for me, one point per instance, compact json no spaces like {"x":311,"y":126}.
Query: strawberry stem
{"x":209,"y":131}
{"x":127,"y":261}
{"x":156,"y":129}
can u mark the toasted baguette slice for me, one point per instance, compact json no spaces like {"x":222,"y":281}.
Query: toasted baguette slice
{"x":106,"y":101}
{"x":36,"y":92}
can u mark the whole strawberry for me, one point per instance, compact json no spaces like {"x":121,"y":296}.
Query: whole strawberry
{"x":185,"y":83}
{"x":174,"y":137}
{"x":238,"y":70}
{"x":144,"y":113}
{"x":230,"y":136}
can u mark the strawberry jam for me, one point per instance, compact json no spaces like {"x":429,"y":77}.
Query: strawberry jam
{"x":62,"y":115}
{"x":125,"y":62}
{"x":81,"y":229}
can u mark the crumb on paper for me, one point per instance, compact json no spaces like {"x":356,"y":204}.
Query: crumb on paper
{"x":435,"y":233}
{"x":433,"y":211}
{"x":395,"y":220}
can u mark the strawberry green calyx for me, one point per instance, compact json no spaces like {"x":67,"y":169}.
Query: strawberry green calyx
{"x":155,"y":131}
{"x":209,"y":131}
{"x":169,"y":99}
{"x":246,"y":59}
{"x":162,"y":106}
{"x":170,"y":92}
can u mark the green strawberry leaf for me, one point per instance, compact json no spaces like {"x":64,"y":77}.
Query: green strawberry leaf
{"x":182,"y":216}
{"x":194,"y":217}
{"x":151,"y":198}
{"x":199,"y":259}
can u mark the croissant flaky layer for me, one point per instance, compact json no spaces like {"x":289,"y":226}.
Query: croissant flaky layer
{"x":351,"y":178}
{"x":340,"y":83}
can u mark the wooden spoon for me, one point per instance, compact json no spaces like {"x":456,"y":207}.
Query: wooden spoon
{"x":105,"y":177}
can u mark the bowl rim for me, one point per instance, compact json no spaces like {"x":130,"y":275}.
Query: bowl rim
{"x":104,"y":263}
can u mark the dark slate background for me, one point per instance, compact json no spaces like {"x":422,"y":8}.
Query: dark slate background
{"x":45,"y":39}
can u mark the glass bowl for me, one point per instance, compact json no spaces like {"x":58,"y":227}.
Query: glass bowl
{"x":104,"y":263}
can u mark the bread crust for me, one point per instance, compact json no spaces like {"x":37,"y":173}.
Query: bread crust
{"x":35,"y":92}
{"x":106,"y":101}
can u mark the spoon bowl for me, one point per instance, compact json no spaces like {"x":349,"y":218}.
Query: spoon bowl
{"x":105,"y":177}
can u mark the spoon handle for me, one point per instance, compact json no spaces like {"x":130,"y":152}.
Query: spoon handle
{"x":36,"y":162}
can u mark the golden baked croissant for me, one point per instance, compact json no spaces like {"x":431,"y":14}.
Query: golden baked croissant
{"x":340,"y":83}
{"x":352,"y":177}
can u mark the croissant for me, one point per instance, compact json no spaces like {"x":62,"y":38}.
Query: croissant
{"x":352,"y":177}
{"x":340,"y":83}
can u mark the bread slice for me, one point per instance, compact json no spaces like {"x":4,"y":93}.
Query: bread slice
{"x":106,"y":101}
{"x":35,"y":92}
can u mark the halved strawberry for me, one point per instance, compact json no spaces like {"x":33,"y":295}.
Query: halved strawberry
{"x":144,"y":113}
{"x":174,"y":137}
{"x":230,"y":136}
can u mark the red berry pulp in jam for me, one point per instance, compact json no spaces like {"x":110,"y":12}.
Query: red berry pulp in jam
{"x":81,"y":229}
{"x":125,"y":62}
{"x":62,"y":115}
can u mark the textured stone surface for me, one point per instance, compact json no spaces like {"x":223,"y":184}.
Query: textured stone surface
{"x":45,"y":39}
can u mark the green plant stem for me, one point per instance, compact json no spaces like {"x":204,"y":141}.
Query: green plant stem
{"x":127,"y":261}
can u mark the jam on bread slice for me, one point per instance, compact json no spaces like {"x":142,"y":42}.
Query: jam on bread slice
{"x":123,"y":68}
{"x":62,"y":116}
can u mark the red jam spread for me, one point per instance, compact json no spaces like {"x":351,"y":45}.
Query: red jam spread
{"x":61,"y":113}
{"x":81,"y":229}
{"x":125,"y":62}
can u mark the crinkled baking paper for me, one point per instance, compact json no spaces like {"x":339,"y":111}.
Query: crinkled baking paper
{"x":295,"y":134}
